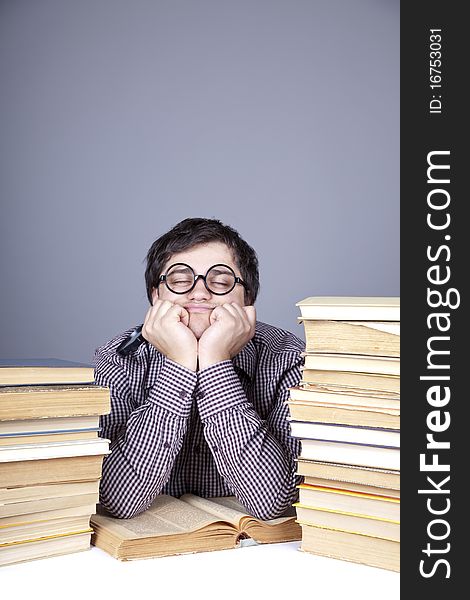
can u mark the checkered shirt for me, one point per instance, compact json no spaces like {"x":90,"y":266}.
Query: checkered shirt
{"x":217,"y":432}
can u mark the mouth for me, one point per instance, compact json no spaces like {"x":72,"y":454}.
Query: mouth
{"x":198,"y":308}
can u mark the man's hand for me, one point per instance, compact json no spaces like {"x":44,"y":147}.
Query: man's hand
{"x":232,"y":327}
{"x":166,"y":328}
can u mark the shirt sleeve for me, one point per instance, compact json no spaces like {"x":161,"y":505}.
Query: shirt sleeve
{"x":145,"y":439}
{"x":255,"y":456}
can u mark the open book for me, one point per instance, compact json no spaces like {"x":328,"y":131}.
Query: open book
{"x":185,"y":525}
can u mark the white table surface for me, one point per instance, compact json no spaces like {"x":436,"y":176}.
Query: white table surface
{"x":264,"y":571}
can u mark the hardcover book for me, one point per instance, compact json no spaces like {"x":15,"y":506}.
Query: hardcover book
{"x":31,"y":371}
{"x":344,"y":521}
{"x":26,"y":532}
{"x":347,"y":381}
{"x":357,"y":363}
{"x":357,"y":503}
{"x":49,"y":426}
{"x":385,"y":478}
{"x":52,"y":470}
{"x":353,"y":337}
{"x":35,"y":452}
{"x":314,"y":393}
{"x":350,"y":308}
{"x":343,"y":414}
{"x":34,"y":402}
{"x":353,"y":454}
{"x":56,"y":545}
{"x":351,"y":486}
{"x":346,"y":433}
{"x":354,"y":547}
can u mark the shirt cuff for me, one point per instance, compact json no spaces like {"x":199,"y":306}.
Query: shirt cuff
{"x":219,"y":389}
{"x":174,"y":389}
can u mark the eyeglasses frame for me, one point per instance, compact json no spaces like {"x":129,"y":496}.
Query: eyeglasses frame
{"x":239,"y":280}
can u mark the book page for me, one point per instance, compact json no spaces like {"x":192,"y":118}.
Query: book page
{"x":387,"y":327}
{"x":166,"y":516}
{"x":224,"y":508}
{"x":348,"y":390}
{"x":228,"y":506}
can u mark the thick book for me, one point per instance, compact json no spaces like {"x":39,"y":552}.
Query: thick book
{"x":357,"y":363}
{"x":345,"y":433}
{"x":26,"y":532}
{"x":353,"y":337}
{"x":346,"y":415}
{"x":16,"y":509}
{"x":34,"y":452}
{"x":351,"y":487}
{"x":350,"y":308}
{"x":55,"y":546}
{"x":50,"y":425}
{"x":34,"y":402}
{"x":185,"y":525}
{"x":44,"y":438}
{"x":382,"y":478}
{"x":354,"y":547}
{"x":347,"y":381}
{"x":29,"y":493}
{"x":52,"y":470}
{"x":81,"y":510}
{"x":357,"y":503}
{"x":44,"y":371}
{"x":352,"y":454}
{"x":333,"y":519}
{"x":313,"y":393}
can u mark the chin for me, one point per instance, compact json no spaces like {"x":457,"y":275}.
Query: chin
{"x":198,"y":331}
{"x":198,"y":323}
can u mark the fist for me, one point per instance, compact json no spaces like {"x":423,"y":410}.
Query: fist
{"x":231,"y":327}
{"x":166,"y":328}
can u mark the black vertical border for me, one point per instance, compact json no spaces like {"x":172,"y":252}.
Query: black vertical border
{"x":423,"y":132}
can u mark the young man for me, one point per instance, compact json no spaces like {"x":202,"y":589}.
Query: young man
{"x":199,"y":407}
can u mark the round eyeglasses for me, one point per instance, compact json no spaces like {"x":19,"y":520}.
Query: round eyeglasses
{"x":219,"y":280}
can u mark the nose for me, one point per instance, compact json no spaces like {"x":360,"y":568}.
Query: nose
{"x":199,"y":291}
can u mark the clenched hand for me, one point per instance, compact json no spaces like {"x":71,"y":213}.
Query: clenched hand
{"x":231,"y":327}
{"x":166,"y":328}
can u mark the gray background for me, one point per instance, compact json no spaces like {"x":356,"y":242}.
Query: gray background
{"x":120,"y":118}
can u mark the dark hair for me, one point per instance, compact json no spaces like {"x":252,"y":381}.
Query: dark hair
{"x":192,"y":232}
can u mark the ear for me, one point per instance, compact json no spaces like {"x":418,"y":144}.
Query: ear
{"x":154,"y":295}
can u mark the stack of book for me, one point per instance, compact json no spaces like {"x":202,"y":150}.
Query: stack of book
{"x":50,"y":457}
{"x":346,"y":412}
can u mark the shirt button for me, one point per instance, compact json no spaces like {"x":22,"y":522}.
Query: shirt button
{"x":197,"y":449}
{"x":215,"y":448}
{"x":200,"y":395}
{"x":183,"y":393}
{"x":167,"y":445}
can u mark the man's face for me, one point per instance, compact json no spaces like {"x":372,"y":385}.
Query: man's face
{"x":200,"y":302}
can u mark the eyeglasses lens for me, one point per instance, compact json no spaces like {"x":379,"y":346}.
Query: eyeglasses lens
{"x":179,"y":279}
{"x":220,"y":280}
